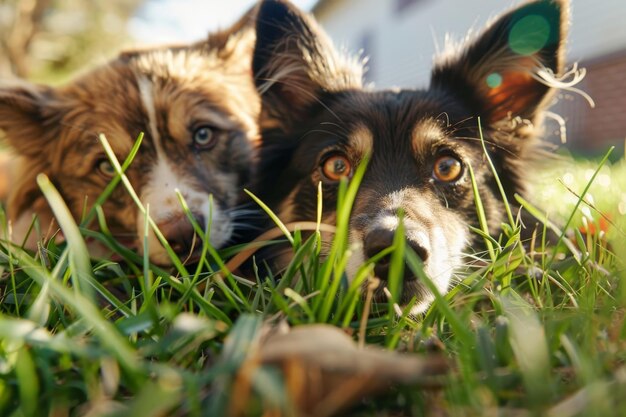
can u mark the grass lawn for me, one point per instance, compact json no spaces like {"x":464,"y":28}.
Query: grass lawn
{"x":527,"y":331}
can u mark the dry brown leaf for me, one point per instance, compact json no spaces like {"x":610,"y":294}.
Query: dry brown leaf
{"x":325,"y":372}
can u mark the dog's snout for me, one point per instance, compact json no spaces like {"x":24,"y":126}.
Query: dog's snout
{"x":419,"y":250}
{"x":180,"y":234}
{"x":379,"y":239}
{"x":376,"y":241}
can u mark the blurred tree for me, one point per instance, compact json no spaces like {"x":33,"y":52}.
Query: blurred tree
{"x":46,"y":39}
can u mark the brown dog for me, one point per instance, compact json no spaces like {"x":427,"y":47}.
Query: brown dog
{"x":198,"y":109}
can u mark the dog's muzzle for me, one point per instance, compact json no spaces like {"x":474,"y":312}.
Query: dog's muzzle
{"x":379,"y":239}
{"x":181,"y":236}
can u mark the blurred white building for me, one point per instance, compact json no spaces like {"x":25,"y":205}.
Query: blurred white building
{"x":401,"y":37}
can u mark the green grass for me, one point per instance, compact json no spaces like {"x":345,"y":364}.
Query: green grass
{"x":528,"y":332}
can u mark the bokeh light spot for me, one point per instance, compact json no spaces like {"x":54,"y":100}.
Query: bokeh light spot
{"x":529,"y":34}
{"x":494,"y":80}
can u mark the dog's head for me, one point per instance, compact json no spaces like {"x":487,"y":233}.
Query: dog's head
{"x":198,"y":109}
{"x":319,"y":123}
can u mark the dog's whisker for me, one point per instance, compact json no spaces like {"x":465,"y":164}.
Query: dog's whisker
{"x":342,"y":129}
{"x":246,"y":215}
{"x":245,"y":226}
{"x":301,"y":90}
{"x":328,"y":132}
{"x":488,"y":142}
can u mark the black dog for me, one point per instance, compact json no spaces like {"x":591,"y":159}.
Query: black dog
{"x":319,"y":123}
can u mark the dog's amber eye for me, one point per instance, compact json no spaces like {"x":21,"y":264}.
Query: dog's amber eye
{"x":105,"y":168}
{"x":447,"y":169}
{"x":336,"y":167}
{"x":204,"y":137}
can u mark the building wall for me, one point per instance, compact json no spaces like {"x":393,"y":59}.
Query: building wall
{"x":403,"y":43}
{"x":594,"y":129}
{"x":402,"y":46}
{"x":598,"y":28}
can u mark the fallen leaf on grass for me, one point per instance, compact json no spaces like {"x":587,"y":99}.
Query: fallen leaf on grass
{"x":323,"y":372}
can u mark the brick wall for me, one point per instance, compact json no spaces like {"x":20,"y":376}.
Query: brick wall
{"x":595,"y":129}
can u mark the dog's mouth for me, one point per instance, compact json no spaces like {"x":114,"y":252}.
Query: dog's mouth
{"x":189,"y":251}
{"x":431,"y":251}
{"x":182,"y":239}
{"x":412,"y":287}
{"x":192,"y":257}
{"x":128,"y":242}
{"x":188,"y":258}
{"x":414,"y":294}
{"x":438,"y":269}
{"x":382,"y":269}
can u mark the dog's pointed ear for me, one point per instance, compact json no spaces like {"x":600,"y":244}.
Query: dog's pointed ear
{"x":294,"y":63}
{"x":508,"y":69}
{"x":232,"y":44}
{"x":28,"y":116}
{"x":227,"y":39}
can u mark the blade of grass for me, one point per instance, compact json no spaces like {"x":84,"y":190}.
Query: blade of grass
{"x":237,"y":299}
{"x":114,"y":181}
{"x":272,"y":216}
{"x":480,"y":211}
{"x":323,"y":305}
{"x":461,"y":331}
{"x":105,"y":331}
{"x":82,"y":277}
{"x":530,"y":346}
{"x":505,"y":200}
{"x":580,"y":200}
{"x":131,"y":191}
{"x":396,"y":264}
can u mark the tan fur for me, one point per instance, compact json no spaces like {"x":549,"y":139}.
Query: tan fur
{"x":55,"y":131}
{"x":425,"y":133}
{"x":362,"y":139}
{"x":6,"y":169}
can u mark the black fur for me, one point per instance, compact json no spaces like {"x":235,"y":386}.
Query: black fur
{"x":319,"y":108}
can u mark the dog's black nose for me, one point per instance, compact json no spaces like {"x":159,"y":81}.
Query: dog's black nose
{"x":376,"y":241}
{"x":180,"y":234}
{"x":419,"y":250}
{"x":380,"y":239}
